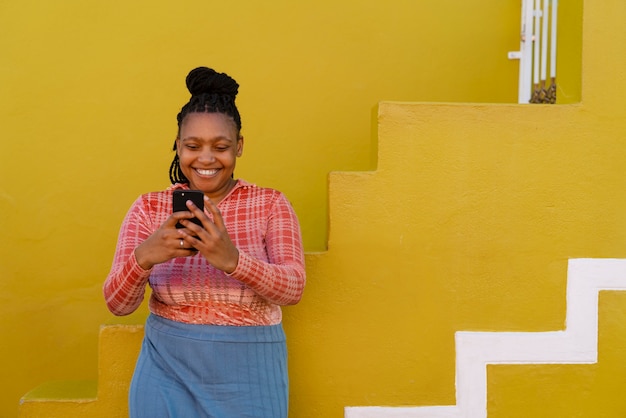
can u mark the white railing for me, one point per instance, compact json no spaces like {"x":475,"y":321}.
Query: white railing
{"x":537,"y":50}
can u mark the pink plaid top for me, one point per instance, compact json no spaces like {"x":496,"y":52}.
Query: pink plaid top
{"x":264,"y":228}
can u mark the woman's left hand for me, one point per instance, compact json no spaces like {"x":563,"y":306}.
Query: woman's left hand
{"x":211,"y":240}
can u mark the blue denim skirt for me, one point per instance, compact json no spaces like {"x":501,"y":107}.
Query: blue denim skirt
{"x":187,"y":370}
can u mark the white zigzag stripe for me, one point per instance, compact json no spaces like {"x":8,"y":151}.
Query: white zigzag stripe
{"x":578,"y":343}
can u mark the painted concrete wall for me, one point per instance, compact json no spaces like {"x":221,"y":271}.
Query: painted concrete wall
{"x":489,"y":232}
{"x":89,"y":94}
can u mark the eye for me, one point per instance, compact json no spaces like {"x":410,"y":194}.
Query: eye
{"x":191,"y":146}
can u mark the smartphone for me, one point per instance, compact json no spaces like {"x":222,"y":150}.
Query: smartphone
{"x":179,"y":199}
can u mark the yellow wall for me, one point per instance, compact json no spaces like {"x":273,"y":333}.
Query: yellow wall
{"x":88,"y":97}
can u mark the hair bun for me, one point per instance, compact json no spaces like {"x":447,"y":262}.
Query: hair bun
{"x":203,"y":80}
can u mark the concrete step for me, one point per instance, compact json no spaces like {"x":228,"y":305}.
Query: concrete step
{"x":118,"y":347}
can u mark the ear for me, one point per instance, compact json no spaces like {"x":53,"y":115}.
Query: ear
{"x":177,"y":145}
{"x":239,"y":146}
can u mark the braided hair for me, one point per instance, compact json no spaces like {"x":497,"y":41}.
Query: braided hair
{"x":211,"y":92}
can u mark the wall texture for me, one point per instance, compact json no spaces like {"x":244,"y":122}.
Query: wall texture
{"x":89,"y":97}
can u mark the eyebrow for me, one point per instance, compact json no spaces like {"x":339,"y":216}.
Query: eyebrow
{"x":197,"y":138}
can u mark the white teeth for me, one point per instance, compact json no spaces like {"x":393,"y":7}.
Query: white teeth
{"x":206,"y":172}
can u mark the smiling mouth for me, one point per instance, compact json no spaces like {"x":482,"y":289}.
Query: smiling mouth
{"x":207,"y":172}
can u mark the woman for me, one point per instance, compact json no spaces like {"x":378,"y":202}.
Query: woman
{"x":214,"y":344}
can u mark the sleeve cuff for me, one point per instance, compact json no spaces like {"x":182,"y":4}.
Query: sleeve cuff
{"x":136,"y":268}
{"x":244,"y":266}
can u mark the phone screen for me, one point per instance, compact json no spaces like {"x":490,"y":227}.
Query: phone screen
{"x":179,"y":199}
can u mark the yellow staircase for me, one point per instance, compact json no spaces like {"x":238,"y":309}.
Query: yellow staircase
{"x":117,"y":352}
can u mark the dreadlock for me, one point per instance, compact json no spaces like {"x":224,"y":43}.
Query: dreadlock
{"x":211,"y":92}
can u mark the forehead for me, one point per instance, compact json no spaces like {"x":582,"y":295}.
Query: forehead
{"x":208,"y":126}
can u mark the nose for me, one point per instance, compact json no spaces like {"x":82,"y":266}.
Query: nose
{"x":206,"y":156}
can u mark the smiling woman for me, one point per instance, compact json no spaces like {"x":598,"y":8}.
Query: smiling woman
{"x":207,"y":148}
{"x":219,"y":133}
{"x":214,"y":343}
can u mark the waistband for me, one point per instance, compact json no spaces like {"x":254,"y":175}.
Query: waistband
{"x":221,"y":333}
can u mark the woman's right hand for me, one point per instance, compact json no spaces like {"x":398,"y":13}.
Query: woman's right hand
{"x":165,"y":243}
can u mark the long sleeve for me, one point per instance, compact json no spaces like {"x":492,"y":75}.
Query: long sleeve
{"x":125,"y":285}
{"x":281,"y":280}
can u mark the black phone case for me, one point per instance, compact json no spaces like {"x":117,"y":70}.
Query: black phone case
{"x":179,"y":198}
